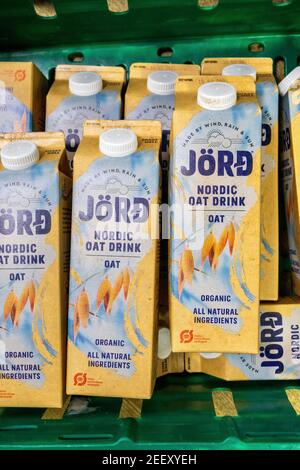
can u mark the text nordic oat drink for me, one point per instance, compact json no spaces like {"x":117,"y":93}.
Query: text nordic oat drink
{"x":35,"y":205}
{"x":279,"y":348}
{"x":289,"y":89}
{"x":80,"y":93}
{"x":215,"y":210}
{"x":114,"y":260}
{"x":23,"y":91}
{"x":261,"y":70}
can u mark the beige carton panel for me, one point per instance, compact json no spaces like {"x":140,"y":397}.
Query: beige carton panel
{"x":214,"y":66}
{"x":141,"y":70}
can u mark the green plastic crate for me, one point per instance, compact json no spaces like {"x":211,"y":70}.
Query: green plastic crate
{"x":181,"y":414}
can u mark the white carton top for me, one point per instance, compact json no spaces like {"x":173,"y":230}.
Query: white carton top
{"x":164,"y":343}
{"x":118,"y":142}
{"x":162,"y":82}
{"x":210,"y":355}
{"x":19,"y":155}
{"x":85,"y":83}
{"x":216,"y":96}
{"x":239,"y":69}
{"x":288,"y":81}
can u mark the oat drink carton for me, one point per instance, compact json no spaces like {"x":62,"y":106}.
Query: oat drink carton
{"x":113,"y":302}
{"x":215,"y":215}
{"x":80,"y":93}
{"x":261,"y":70}
{"x":35,"y":215}
{"x":23,"y":91}
{"x":279,"y":348}
{"x":289,"y":89}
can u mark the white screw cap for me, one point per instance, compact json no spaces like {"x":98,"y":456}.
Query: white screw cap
{"x":288,"y":81}
{"x":239,"y":69}
{"x":85,"y":83}
{"x":162,"y":82}
{"x":19,"y":155}
{"x":216,"y":96}
{"x":164,"y":343}
{"x":210,"y":355}
{"x":118,"y":142}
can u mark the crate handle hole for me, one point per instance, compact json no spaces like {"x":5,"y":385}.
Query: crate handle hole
{"x":281,"y":3}
{"x":207,"y":4}
{"x":188,"y":62}
{"x":118,"y":7}
{"x":76,"y":57}
{"x":165,"y":52}
{"x":82,"y":437}
{"x":18,"y":427}
{"x":279,"y":68}
{"x":45,"y":9}
{"x":256,"y":47}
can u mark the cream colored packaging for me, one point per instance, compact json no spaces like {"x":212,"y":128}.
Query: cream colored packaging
{"x":67,"y":112}
{"x":267,"y":95}
{"x":112,"y":338}
{"x":279,"y":351}
{"x":215,"y":232}
{"x":290,"y":164}
{"x":23,"y":91}
{"x":174,"y":362}
{"x":35,"y":220}
{"x":140,"y":103}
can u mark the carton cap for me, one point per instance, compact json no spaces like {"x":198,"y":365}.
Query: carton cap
{"x":118,"y":142}
{"x":164,"y":343}
{"x":162,"y":82}
{"x":85,"y":83}
{"x":19,"y":155}
{"x":210,"y":355}
{"x":216,"y":96}
{"x":288,"y":81}
{"x":239,"y":69}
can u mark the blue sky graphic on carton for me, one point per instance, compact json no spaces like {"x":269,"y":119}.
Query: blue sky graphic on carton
{"x":126,"y":177}
{"x":31,"y":189}
{"x":276,"y":359}
{"x":158,"y":108}
{"x":14,"y":116}
{"x":267,"y":94}
{"x":207,"y":130}
{"x":73,"y":111}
